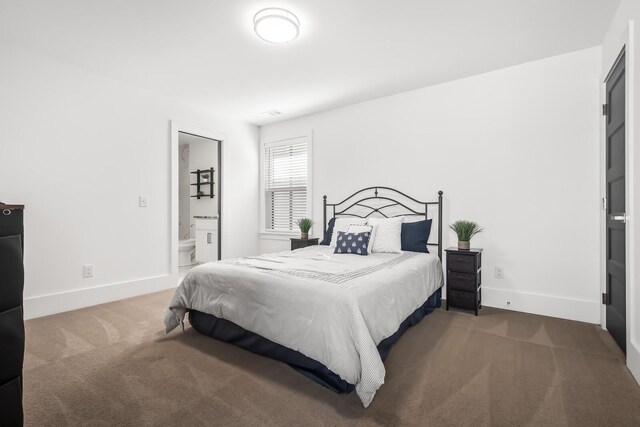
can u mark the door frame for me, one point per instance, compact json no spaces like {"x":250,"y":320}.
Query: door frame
{"x":176,"y":128}
{"x":633,"y":330}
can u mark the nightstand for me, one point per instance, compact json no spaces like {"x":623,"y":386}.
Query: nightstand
{"x":303,"y":243}
{"x":464,"y":278}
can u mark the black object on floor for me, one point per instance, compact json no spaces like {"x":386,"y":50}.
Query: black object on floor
{"x":11,"y":315}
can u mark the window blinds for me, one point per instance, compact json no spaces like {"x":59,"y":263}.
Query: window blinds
{"x":285,"y":184}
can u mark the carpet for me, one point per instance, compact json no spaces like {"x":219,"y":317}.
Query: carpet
{"x":112,"y":364}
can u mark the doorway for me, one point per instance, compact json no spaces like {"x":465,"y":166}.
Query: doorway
{"x":199,"y":199}
{"x":615,"y":203}
{"x":198,"y":194}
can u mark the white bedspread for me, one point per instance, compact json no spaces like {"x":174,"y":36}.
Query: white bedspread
{"x":332,"y":308}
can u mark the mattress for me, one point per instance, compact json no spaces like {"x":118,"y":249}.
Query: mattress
{"x":332,"y":308}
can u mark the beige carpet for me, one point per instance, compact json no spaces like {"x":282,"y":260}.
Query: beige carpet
{"x":113,"y":365}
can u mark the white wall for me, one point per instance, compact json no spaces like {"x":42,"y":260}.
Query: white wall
{"x":624,"y":30}
{"x":78,"y":149}
{"x":515,"y":150}
{"x":204,"y":155}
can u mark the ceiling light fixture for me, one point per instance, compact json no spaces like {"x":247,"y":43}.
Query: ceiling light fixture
{"x":276,"y":25}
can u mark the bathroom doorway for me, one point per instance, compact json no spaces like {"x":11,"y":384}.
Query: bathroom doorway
{"x":199,"y":200}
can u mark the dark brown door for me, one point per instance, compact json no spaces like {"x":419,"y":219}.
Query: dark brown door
{"x":616,"y":205}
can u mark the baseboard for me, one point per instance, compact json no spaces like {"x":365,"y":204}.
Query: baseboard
{"x":44,"y":305}
{"x":546,"y":305}
{"x":633,"y":360}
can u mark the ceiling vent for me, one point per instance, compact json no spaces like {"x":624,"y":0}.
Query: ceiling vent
{"x":272,"y":113}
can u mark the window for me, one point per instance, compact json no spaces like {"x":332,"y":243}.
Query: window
{"x":286,"y":183}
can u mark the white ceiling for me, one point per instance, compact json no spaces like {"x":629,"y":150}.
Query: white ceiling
{"x":204,"y":52}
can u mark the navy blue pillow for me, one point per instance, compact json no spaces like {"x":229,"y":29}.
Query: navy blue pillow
{"x":327,"y":236}
{"x":352,"y":243}
{"x":415,"y":235}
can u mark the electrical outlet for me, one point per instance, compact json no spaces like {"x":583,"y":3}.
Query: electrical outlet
{"x":144,"y":201}
{"x":499,"y":272}
{"x":87,"y":270}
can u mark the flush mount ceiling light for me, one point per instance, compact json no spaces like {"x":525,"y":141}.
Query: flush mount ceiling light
{"x":276,"y":25}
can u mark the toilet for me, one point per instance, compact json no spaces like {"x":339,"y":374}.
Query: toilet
{"x":186,"y":249}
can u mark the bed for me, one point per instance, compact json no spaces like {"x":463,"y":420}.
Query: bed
{"x":333,"y":317}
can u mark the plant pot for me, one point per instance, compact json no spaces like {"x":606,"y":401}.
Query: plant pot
{"x":304,"y":235}
{"x":464,"y":245}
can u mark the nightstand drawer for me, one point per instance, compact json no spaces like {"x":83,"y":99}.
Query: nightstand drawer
{"x":462,"y":299}
{"x":303,"y":243}
{"x":463,"y":263}
{"x":462,"y":281}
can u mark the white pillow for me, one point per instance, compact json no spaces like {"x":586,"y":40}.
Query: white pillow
{"x":355,"y":228}
{"x":388,"y":232}
{"x":342,"y":224}
{"x":412,"y":218}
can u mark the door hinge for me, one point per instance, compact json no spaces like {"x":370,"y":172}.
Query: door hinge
{"x":605,"y":299}
{"x":604,"y":203}
{"x":605,"y":109}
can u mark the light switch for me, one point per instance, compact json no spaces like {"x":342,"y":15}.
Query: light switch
{"x":144,"y":202}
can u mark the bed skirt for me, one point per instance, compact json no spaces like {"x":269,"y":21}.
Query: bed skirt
{"x":227,"y":331}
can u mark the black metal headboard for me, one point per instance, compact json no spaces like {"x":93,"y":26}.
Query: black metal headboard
{"x":364,"y":203}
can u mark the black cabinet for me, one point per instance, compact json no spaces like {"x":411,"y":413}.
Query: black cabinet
{"x":11,"y":315}
{"x":303,"y":243}
{"x":464,"y":278}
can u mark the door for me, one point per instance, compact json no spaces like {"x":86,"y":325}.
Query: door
{"x":615,"y":298}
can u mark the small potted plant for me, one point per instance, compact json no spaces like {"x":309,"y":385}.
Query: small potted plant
{"x":465,"y":231}
{"x":305,"y":225}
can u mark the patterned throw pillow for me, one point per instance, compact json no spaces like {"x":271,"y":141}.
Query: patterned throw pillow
{"x":352,"y":243}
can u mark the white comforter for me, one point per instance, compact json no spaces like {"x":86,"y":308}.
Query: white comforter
{"x":332,"y":308}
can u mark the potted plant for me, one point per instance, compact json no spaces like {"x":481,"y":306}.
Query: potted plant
{"x":305,"y":225}
{"x":465,"y":231}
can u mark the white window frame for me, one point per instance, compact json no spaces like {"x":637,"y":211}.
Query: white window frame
{"x":263,"y":203}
